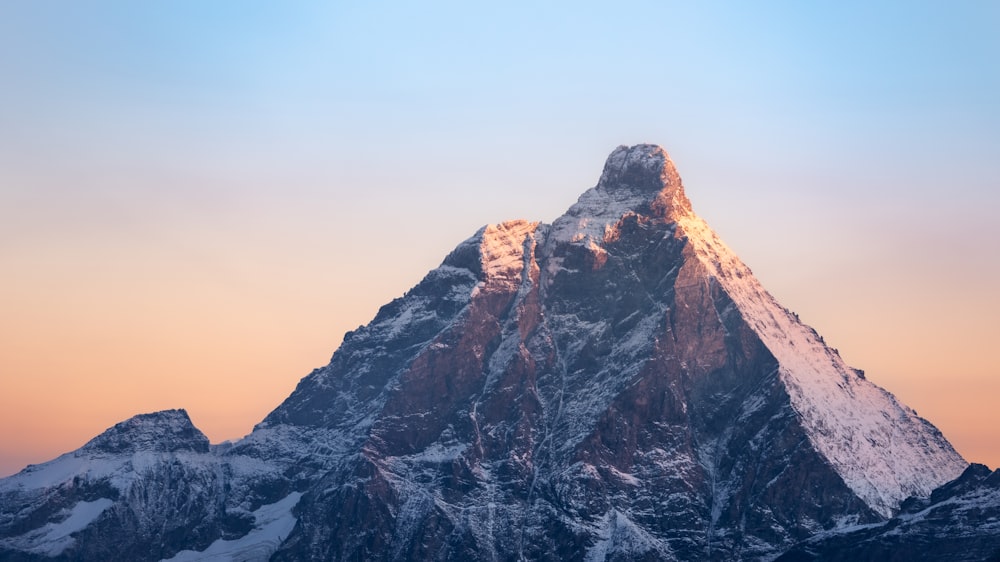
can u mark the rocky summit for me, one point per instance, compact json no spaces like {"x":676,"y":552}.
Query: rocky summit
{"x":615,"y":385}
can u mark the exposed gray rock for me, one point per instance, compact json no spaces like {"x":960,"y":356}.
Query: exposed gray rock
{"x":163,"y":432}
{"x":959,"y":522}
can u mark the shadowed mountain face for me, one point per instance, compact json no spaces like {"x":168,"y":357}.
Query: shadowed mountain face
{"x":613,"y":386}
{"x":959,"y":522}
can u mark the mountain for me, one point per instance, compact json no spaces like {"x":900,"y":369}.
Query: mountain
{"x":138,"y":491}
{"x":613,"y":386}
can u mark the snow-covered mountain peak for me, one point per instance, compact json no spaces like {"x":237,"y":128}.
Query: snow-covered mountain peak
{"x":644,"y":169}
{"x":613,"y":386}
{"x":638,"y":179}
{"x":639,"y":168}
{"x":166,"y":431}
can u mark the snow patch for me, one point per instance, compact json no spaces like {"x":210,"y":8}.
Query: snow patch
{"x":502,"y":251}
{"x":53,"y":538}
{"x":619,"y":535}
{"x":273,"y":523}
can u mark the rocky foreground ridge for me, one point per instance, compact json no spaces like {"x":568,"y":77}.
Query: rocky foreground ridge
{"x":613,"y":386}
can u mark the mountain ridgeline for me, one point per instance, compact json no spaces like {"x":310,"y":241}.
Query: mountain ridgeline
{"x":615,"y":385}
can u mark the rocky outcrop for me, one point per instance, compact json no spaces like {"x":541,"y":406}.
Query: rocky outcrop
{"x":959,"y":522}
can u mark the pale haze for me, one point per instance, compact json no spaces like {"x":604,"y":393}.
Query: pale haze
{"x":198,"y":199}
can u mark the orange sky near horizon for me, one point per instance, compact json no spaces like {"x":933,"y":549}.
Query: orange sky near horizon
{"x":101,"y":331}
{"x":197,"y":199}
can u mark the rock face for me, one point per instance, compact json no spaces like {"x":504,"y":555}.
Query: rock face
{"x":960,"y":522}
{"x":613,"y":386}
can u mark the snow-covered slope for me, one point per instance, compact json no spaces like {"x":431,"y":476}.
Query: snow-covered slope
{"x":881,"y":448}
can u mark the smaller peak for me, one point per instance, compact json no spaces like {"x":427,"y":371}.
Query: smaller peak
{"x":165,"y":431}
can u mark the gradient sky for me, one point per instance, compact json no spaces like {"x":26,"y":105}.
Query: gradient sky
{"x":197,"y":199}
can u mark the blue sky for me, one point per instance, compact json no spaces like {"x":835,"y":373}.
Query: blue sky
{"x":274,"y":90}
{"x":170,"y":167}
